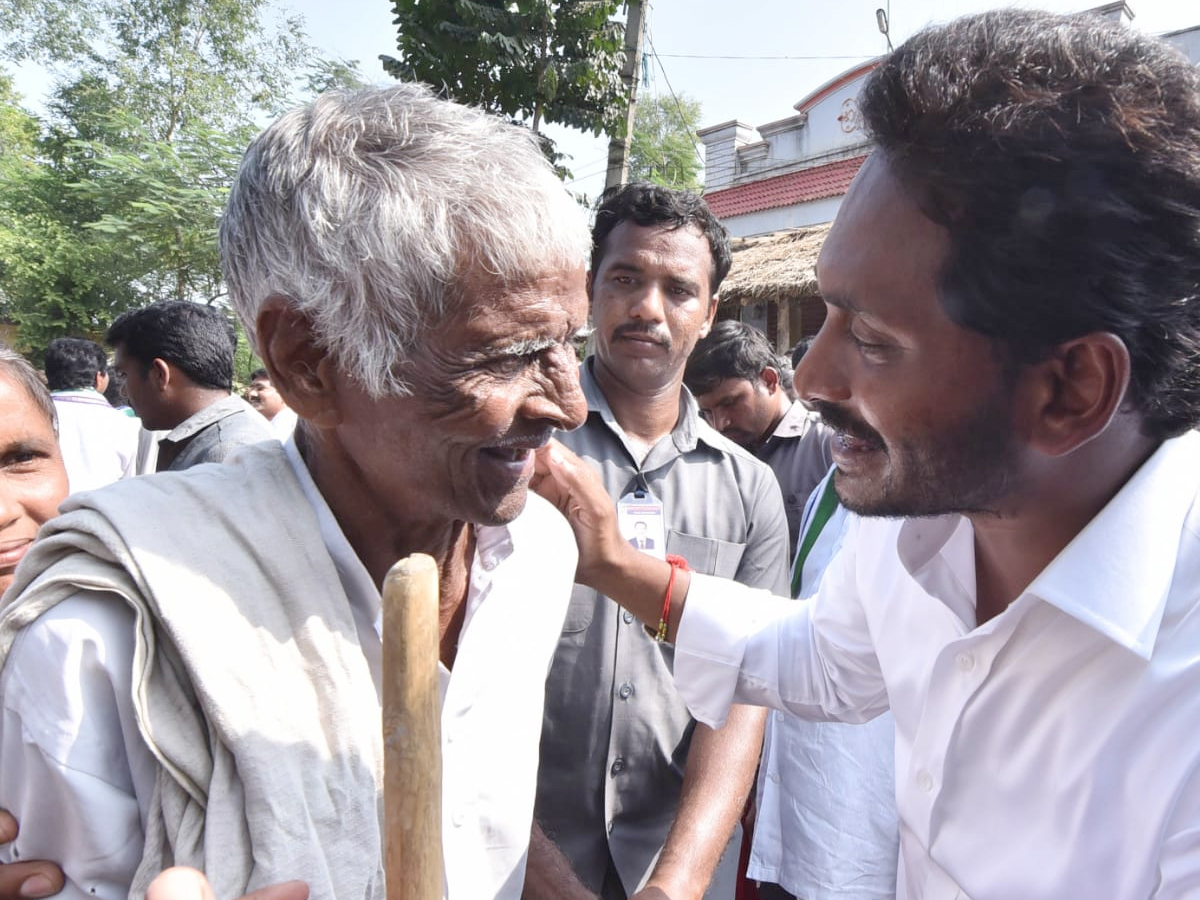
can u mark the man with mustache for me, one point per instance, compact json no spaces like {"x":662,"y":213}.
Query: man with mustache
{"x":1012,"y":363}
{"x":622,"y":762}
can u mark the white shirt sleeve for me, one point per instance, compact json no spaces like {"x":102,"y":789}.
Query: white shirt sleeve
{"x":814,"y":659}
{"x":73,"y":767}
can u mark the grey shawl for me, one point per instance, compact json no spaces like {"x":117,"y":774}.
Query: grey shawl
{"x":250,"y":686}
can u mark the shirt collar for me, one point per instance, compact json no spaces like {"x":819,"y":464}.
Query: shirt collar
{"x":493,"y":545}
{"x":1113,"y":577}
{"x":796,"y":422}
{"x":1117,"y":572}
{"x":689,"y":429}
{"x":214,"y":412}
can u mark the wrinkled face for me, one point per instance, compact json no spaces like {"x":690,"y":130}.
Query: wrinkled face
{"x":922,"y":406}
{"x":744,"y":411}
{"x":261,"y":394}
{"x":32,"y":478}
{"x":651,"y":303}
{"x":490,"y":385}
{"x":138,"y":388}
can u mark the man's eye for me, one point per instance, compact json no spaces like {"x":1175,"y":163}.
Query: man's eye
{"x":867,"y":346}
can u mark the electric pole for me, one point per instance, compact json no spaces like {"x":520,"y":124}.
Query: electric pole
{"x":618,"y":147}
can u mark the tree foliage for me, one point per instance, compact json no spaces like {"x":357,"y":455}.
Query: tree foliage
{"x":114,"y":196}
{"x":663,"y":147}
{"x":535,"y":61}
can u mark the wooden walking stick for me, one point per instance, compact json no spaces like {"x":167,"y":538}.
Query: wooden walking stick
{"x":412,"y":734}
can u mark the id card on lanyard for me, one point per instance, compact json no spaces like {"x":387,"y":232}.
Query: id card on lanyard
{"x":641,"y":522}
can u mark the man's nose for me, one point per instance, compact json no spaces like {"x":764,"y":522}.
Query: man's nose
{"x":561,"y":399}
{"x":648,"y":304}
{"x":10,"y":507}
{"x":819,"y":375}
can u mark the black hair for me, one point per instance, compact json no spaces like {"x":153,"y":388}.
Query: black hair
{"x":199,"y":340}
{"x":1062,"y":153}
{"x":73,"y":363}
{"x":648,"y":204}
{"x":732,"y":349}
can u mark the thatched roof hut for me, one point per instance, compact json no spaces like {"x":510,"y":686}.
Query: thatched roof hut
{"x":777,"y":273}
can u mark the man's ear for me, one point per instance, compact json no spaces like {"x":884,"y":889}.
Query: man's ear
{"x":300,"y":370}
{"x":1072,"y":395}
{"x":161,"y":375}
{"x":713,"y":303}
{"x":770,"y":378}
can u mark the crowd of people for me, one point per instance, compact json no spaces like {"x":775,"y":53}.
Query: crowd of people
{"x":952,"y":545}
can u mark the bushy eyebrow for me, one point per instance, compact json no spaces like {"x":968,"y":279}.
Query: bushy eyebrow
{"x":531,"y":346}
{"x":526,"y":346}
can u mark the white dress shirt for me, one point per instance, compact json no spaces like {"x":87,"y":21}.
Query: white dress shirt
{"x":825,"y":827}
{"x":1049,"y":753}
{"x":73,"y":743}
{"x":99,"y":444}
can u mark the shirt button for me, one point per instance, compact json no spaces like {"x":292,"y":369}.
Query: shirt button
{"x":489,"y":562}
{"x":627,"y":617}
{"x":966,"y":662}
{"x":925,"y":781}
{"x":618,"y":767}
{"x":625,"y":691}
{"x":773,"y":777}
{"x":458,"y":818}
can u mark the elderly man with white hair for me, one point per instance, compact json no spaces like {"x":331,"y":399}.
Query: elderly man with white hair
{"x":192,"y":660}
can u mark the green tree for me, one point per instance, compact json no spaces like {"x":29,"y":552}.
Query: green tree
{"x":115,"y":202}
{"x":535,"y":61}
{"x":663,"y":147}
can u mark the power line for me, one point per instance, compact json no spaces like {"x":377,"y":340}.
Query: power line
{"x":754,"y":58}
{"x":674,"y":98}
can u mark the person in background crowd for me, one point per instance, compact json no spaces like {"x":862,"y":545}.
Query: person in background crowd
{"x":202,"y":645}
{"x":825,"y":827}
{"x":33,"y":479}
{"x":742,"y":388}
{"x":176,"y":365}
{"x":1011,"y":362}
{"x":635,"y":794}
{"x":825,"y":822}
{"x":99,"y":444}
{"x":261,"y":394}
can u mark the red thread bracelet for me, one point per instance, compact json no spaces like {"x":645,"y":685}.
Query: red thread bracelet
{"x":676,"y":563}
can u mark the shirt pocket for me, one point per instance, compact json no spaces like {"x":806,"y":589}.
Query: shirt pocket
{"x":708,"y":556}
{"x":580,"y":610}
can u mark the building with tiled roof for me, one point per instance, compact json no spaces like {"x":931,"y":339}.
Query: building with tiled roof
{"x":774,"y":183}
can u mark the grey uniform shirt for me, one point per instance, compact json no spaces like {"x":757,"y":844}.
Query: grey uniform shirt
{"x":212,"y":434}
{"x":616,"y":735}
{"x":798,"y":453}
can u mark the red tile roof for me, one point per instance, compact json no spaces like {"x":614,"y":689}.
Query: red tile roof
{"x":829,"y":180}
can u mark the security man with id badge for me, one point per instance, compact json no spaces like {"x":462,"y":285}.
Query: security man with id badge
{"x":633,"y":792}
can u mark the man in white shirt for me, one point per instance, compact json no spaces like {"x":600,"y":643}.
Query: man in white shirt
{"x":99,"y":444}
{"x":192,"y":660}
{"x":261,"y":394}
{"x":1010,"y":361}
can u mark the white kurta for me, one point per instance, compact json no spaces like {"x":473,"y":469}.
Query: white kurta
{"x":77,"y":774}
{"x":1048,"y":753}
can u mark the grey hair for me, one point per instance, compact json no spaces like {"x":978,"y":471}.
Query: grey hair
{"x":375,"y":211}
{"x":17,"y":368}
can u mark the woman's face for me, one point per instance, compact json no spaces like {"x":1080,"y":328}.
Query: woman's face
{"x":32,"y":478}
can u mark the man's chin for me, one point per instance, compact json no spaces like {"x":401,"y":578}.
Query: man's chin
{"x":509,"y":507}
